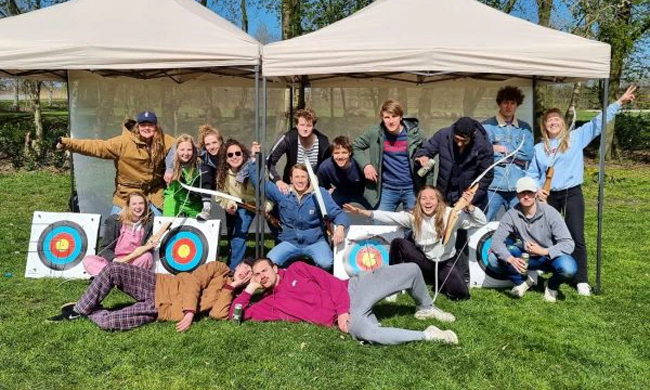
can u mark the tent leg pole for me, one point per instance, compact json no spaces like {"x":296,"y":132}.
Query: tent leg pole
{"x":601,"y":185}
{"x":258,"y":198}
{"x":262,"y":174}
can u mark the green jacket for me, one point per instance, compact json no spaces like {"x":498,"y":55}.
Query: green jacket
{"x":368,"y":149}
{"x":178,"y":202}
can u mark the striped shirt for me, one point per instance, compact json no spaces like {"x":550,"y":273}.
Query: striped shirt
{"x":311,"y":153}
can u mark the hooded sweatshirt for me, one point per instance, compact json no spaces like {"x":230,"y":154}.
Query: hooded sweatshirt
{"x":547,"y":228}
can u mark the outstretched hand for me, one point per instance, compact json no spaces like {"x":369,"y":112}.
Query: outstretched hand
{"x":185,"y":323}
{"x":356,"y":210}
{"x":628,"y":96}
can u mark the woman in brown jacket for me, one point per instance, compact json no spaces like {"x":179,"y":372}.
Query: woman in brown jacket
{"x":139,"y":156}
{"x":208,"y":289}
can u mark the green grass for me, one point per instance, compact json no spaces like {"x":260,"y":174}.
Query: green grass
{"x":601,"y":342}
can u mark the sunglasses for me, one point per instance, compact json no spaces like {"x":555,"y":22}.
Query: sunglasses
{"x":233,"y":154}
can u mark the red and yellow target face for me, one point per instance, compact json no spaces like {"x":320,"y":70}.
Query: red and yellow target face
{"x":62,"y":245}
{"x":366,"y":255}
{"x":183,"y":249}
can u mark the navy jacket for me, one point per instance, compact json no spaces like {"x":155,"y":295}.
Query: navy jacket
{"x":474,"y":163}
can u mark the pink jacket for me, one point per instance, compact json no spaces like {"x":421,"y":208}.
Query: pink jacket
{"x":304,"y":293}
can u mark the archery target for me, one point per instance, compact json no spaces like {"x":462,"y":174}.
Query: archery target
{"x":366,"y":247}
{"x":483,"y":268}
{"x":59,"y":242}
{"x":187,"y":245}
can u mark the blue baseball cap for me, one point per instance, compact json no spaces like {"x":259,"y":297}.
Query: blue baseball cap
{"x":148,"y":116}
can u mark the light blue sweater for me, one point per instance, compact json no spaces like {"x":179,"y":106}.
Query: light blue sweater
{"x":569,"y":166}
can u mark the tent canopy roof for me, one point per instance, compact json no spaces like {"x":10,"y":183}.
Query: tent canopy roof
{"x":123,"y":36}
{"x":436,"y":38}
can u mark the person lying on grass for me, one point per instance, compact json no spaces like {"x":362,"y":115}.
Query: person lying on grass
{"x":208,"y":289}
{"x":544,"y":236}
{"x":307,"y":293}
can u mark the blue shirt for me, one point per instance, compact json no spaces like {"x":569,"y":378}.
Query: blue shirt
{"x":396,"y":168}
{"x":509,"y":135}
{"x":569,"y":166}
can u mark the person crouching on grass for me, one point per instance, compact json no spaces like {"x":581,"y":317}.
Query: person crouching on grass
{"x":545,"y":238}
{"x":123,"y":234}
{"x":306,"y":293}
{"x":427,"y":221}
{"x":163,"y":297}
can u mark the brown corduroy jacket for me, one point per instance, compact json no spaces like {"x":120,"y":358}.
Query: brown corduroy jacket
{"x":202,"y":290}
{"x":132,"y":158}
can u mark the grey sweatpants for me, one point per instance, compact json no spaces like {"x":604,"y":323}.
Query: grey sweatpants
{"x":368,"y":288}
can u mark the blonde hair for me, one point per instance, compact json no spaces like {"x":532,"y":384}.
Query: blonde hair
{"x":126,"y":217}
{"x":192,"y":164}
{"x":439,"y":213}
{"x":563,"y":136}
{"x":206,"y":130}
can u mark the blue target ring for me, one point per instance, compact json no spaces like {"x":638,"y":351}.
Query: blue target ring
{"x":366,"y":255}
{"x":62,"y":245}
{"x":483,"y":250}
{"x":183,"y":249}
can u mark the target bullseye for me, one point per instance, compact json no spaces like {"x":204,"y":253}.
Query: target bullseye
{"x":183,"y":249}
{"x":62,"y":245}
{"x":366,"y":255}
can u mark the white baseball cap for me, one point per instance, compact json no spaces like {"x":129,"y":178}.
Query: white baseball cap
{"x":526,"y":184}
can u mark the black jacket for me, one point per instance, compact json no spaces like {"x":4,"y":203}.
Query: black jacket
{"x":480,"y":157}
{"x":288,"y":144}
{"x":112,"y":233}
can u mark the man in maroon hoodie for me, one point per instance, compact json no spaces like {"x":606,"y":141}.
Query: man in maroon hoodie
{"x":306,"y":293}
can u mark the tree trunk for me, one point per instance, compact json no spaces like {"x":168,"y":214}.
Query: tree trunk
{"x":34,"y":91}
{"x":575,"y":94}
{"x":244,"y":16}
{"x":471,"y":98}
{"x":544,"y":9}
{"x":16,"y":105}
{"x":331,"y":102}
{"x":291,"y":19}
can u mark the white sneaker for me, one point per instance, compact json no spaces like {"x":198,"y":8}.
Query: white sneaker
{"x":432,"y":333}
{"x":519,"y":291}
{"x":550,"y":295}
{"x":584,"y":289}
{"x":434,"y":312}
{"x":391,"y":298}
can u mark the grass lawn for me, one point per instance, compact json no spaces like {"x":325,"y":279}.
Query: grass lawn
{"x":601,"y":342}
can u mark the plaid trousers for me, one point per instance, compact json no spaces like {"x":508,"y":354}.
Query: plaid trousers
{"x":138,"y":283}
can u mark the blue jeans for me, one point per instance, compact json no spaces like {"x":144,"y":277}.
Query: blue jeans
{"x":154,"y":210}
{"x":320,"y":252}
{"x":496,"y":199}
{"x":392,"y":197}
{"x":237,"y":227}
{"x":563,"y":268}
{"x":340,"y":199}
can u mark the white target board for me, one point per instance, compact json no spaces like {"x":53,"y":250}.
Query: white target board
{"x":59,"y":242}
{"x":483,"y":269}
{"x":366,"y":247}
{"x":187,"y":244}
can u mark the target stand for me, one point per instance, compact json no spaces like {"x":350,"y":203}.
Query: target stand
{"x":483,"y":270}
{"x":59,"y":242}
{"x":187,"y":245}
{"x":365,"y":248}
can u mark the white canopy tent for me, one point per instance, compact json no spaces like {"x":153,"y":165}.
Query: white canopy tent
{"x":424,"y":42}
{"x":441,"y":36}
{"x":120,"y":57}
{"x":122,"y":36}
